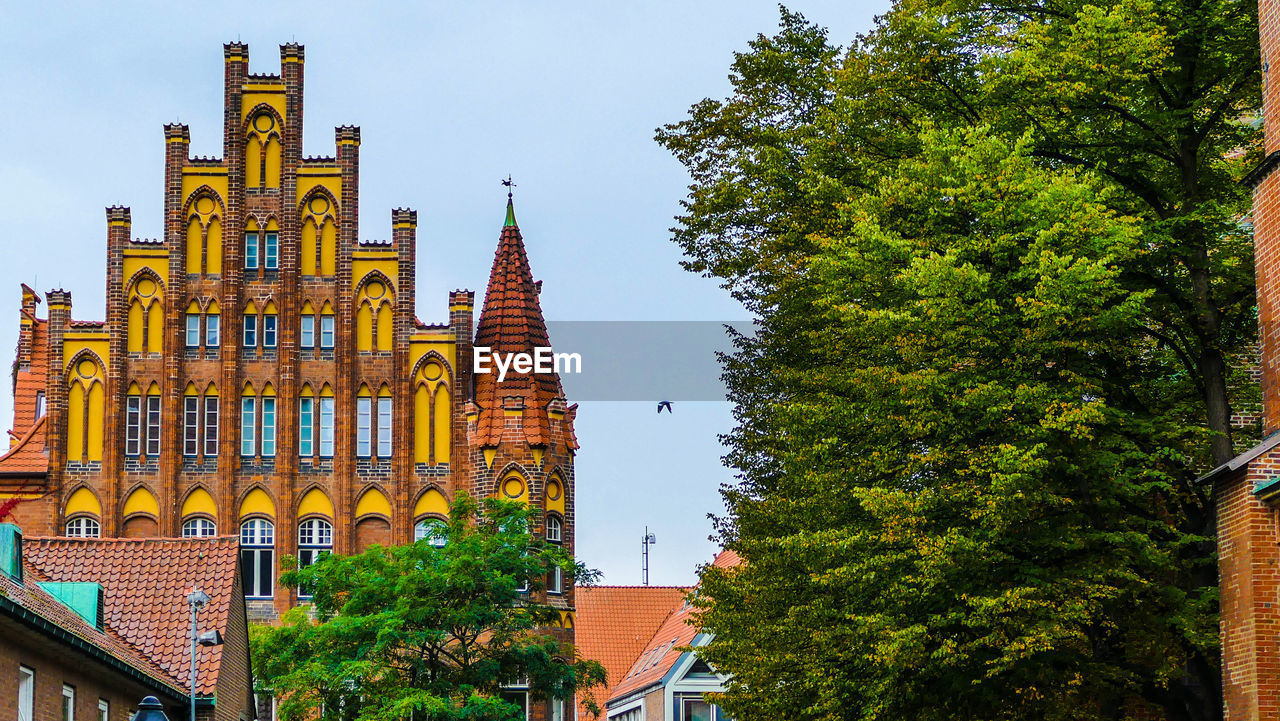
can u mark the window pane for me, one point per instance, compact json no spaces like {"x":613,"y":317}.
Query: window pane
{"x":268,"y":427}
{"x":269,"y":330}
{"x":306,"y":426}
{"x":431,"y":529}
{"x":153,"y":425}
{"x":104,"y":710}
{"x":251,"y":331}
{"x":696,"y":710}
{"x":193,"y":330}
{"x":68,"y":703}
{"x":272,"y":251}
{"x":199,"y":528}
{"x":26,"y":694}
{"x":212,"y":323}
{"x":210,"y":426}
{"x":364,"y":426}
{"x":326,"y":427}
{"x":251,"y":251}
{"x":190,"y":425}
{"x":326,"y":331}
{"x":132,"y":425}
{"x":266,"y":568}
{"x":308,"y":331}
{"x":384,"y":427}
{"x":247,"y":426}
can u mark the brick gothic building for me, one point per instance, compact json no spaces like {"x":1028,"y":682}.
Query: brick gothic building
{"x":261,"y":372}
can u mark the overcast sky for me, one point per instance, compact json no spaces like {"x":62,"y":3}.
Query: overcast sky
{"x":450,"y":97}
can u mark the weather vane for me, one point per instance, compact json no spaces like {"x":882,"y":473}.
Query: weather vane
{"x":510,"y":184}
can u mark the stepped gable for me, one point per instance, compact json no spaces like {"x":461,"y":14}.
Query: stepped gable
{"x":511,"y":322}
{"x":145,"y":583}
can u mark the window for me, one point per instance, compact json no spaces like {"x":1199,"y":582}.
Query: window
{"x":84,"y":528}
{"x":153,"y":424}
{"x":364,"y":427}
{"x":384,"y":427}
{"x":257,"y":556}
{"x":306,"y":426}
{"x":307,"y":335}
{"x":104,"y":710}
{"x":68,"y":703}
{"x":198,"y":528}
{"x":326,"y":330}
{"x":315,"y":538}
{"x":193,"y":330}
{"x":555,"y":580}
{"x":432,"y":530}
{"x":210,"y":426}
{"x":40,"y":405}
{"x":132,"y":425}
{"x":26,"y":694}
{"x":190,"y":425}
{"x":326,"y":427}
{"x":211,"y":326}
{"x":695,"y":709}
{"x":554,"y":529}
{"x":251,"y":331}
{"x":248,"y":414}
{"x":271,"y":251}
{"x":251,"y":251}
{"x":269,"y":330}
{"x":557,"y":709}
{"x":268,"y":427}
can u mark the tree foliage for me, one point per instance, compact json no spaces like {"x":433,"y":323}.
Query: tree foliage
{"x":996,"y":257}
{"x":426,"y":632}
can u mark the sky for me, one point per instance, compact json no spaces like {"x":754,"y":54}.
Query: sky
{"x":450,"y":98}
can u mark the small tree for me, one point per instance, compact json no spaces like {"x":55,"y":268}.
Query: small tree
{"x":430,"y":631}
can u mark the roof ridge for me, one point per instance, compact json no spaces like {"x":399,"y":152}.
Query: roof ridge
{"x":29,"y":435}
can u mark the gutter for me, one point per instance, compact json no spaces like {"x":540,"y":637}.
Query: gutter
{"x":1254,"y":177}
{"x":42,"y":625}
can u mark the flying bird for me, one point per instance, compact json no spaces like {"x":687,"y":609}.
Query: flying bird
{"x":664,"y":405}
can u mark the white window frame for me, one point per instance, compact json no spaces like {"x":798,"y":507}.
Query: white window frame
{"x":68,"y":702}
{"x":257,"y":539}
{"x":270,"y":324}
{"x":326,"y":426}
{"x":133,"y":425}
{"x":248,"y":426}
{"x":315,"y":539}
{"x":326,"y":330}
{"x":307,"y":332}
{"x":212,"y":326}
{"x":268,"y":427}
{"x":153,"y":424}
{"x":104,"y":710}
{"x":306,"y":426}
{"x":193,"y":330}
{"x":431,"y":530}
{"x":84,"y":527}
{"x":558,"y":536}
{"x":210,"y":426}
{"x":271,"y":250}
{"x":364,"y":427}
{"x":250,"y":337}
{"x":199,"y":528}
{"x":251,"y":251}
{"x":384,"y":426}
{"x":26,"y":693}
{"x":191,"y":426}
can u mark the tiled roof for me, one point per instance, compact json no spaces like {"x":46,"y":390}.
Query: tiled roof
{"x":27,"y":456}
{"x":511,"y":322}
{"x":662,"y":650}
{"x":145,"y":584}
{"x":614,"y":623}
{"x":29,"y":380}
{"x":35,"y":600}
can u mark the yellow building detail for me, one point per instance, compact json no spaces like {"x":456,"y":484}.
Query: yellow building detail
{"x":85,"y":410}
{"x":315,"y":503}
{"x":513,"y":487}
{"x":373,"y":502}
{"x":431,"y":503}
{"x":257,"y":503}
{"x":199,"y":501}
{"x":83,"y":502}
{"x":141,"y":501}
{"x":555,"y":495}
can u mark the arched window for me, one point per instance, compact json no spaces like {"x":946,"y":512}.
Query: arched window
{"x":84,"y":527}
{"x":315,"y":539}
{"x":554,"y":529}
{"x":257,"y":557}
{"x":555,"y":535}
{"x":199,"y":528}
{"x":432,"y":530}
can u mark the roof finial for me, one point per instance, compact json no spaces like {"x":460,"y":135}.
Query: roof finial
{"x":511,"y":209}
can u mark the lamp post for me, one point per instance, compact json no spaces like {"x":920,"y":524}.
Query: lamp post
{"x":150,"y":710}
{"x":648,"y":540}
{"x":197,"y":599}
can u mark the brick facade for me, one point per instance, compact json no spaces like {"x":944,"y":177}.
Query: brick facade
{"x":263,"y":231}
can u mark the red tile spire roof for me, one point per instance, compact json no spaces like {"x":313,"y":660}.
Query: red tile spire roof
{"x":511,"y":322}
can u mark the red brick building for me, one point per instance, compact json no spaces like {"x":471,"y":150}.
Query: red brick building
{"x":88,"y":627}
{"x":261,"y":373}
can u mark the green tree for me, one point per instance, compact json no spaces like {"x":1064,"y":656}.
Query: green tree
{"x":995,"y":255}
{"x":424,"y":631}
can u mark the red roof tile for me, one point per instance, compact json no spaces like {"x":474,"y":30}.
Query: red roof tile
{"x":511,"y":322}
{"x":31,"y":378}
{"x":28,"y":455}
{"x":662,"y":650}
{"x":34,"y":599}
{"x":145,"y":583}
{"x":614,"y":623}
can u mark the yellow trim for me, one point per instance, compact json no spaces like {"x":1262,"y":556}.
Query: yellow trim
{"x":489,"y":454}
{"x":176,"y":139}
{"x":555,"y":504}
{"x":83,"y":501}
{"x":199,"y":501}
{"x":537,"y":456}
{"x":117,"y":223}
{"x":431,"y":502}
{"x":403,"y":225}
{"x":315,"y":502}
{"x":141,"y":501}
{"x":257,"y":503}
{"x":373,"y":501}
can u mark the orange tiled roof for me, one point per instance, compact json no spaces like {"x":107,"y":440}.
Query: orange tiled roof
{"x":662,"y":650}
{"x":614,"y":623}
{"x":511,"y":322}
{"x":35,"y":600}
{"x":28,"y":455}
{"x":29,"y":380}
{"x":145,"y":584}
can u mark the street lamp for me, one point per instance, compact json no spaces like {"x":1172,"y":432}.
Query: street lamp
{"x":150,"y":710}
{"x":198,"y":599}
